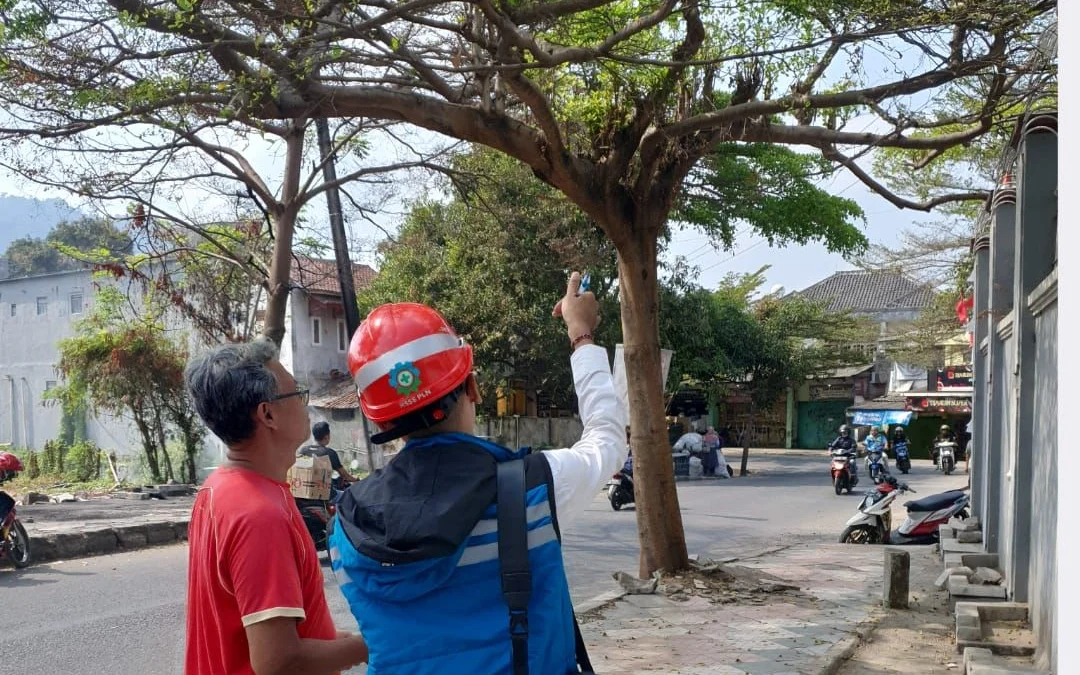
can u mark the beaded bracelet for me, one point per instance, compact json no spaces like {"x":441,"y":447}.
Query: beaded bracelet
{"x":579,"y":339}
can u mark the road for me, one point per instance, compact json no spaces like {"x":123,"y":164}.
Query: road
{"x":124,"y":613}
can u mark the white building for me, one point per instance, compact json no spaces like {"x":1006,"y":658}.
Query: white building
{"x":316,"y":340}
{"x":35,"y":314}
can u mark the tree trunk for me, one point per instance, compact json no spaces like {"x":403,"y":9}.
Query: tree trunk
{"x":660,"y":528}
{"x":284,"y":222}
{"x":149,"y":447}
{"x":746,"y":441}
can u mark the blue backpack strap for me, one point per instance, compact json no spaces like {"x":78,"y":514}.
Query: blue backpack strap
{"x":514,"y":557}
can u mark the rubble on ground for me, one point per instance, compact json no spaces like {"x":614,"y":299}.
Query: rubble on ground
{"x":716,"y":582}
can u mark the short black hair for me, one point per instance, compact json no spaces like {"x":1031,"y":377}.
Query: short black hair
{"x":227,"y":385}
{"x":320,"y":430}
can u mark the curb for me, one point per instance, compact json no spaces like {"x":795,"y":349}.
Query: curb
{"x":66,"y":546}
{"x":597,"y":601}
{"x":843,"y":650}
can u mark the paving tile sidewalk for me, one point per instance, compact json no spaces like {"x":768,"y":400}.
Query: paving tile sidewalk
{"x":788,"y":634}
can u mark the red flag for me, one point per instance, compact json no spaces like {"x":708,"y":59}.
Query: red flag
{"x":964,"y":307}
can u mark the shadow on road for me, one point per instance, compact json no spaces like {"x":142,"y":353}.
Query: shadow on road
{"x":35,"y":576}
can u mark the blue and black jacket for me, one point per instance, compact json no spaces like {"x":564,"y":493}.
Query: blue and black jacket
{"x":415,"y":550}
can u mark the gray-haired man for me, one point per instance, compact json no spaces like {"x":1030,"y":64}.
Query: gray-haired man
{"x":255,"y":589}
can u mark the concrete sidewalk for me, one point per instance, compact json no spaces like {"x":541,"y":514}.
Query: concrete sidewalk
{"x":801,"y":616}
{"x":99,"y":526}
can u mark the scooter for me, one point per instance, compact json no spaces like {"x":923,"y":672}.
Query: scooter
{"x":14,"y":542}
{"x":871,"y":525}
{"x":946,"y":456}
{"x":903,"y":456}
{"x":843,"y":471}
{"x":621,"y":489}
{"x":877,"y":466}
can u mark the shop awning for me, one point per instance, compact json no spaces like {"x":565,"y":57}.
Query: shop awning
{"x":877,"y":418}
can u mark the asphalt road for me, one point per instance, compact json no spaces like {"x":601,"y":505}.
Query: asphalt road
{"x":124,"y":613}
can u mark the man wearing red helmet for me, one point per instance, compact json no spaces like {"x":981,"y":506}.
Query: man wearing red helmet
{"x":417,"y":546}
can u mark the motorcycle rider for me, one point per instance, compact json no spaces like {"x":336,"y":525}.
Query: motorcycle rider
{"x":874,"y":443}
{"x":320,"y":431}
{"x":628,"y":465}
{"x":945,"y":434}
{"x":898,"y":436}
{"x":845,"y":443}
{"x":414,"y":545}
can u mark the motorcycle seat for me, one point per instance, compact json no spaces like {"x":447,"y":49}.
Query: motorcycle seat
{"x":935,"y":502}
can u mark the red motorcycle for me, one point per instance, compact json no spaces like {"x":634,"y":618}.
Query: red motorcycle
{"x":843,"y":470}
{"x":14,"y":542}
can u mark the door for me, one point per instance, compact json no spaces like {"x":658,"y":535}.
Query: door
{"x":819,"y":421}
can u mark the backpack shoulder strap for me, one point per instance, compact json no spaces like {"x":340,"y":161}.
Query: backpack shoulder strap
{"x":514,"y":557}
{"x":580,"y":652}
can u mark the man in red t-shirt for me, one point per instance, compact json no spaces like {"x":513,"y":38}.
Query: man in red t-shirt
{"x":255,"y":589}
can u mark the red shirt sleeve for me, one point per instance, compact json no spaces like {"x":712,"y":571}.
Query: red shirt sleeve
{"x":263,"y":568}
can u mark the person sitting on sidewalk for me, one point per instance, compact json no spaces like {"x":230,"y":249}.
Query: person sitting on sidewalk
{"x":416,"y":546}
{"x":255,"y":589}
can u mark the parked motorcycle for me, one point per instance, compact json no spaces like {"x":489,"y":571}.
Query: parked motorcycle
{"x":873,"y":523}
{"x":14,"y":542}
{"x":843,"y":471}
{"x":903,"y":456}
{"x":877,"y":465}
{"x":621,"y":489}
{"x":946,"y":456}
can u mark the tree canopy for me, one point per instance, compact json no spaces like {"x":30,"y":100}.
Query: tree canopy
{"x":31,"y":256}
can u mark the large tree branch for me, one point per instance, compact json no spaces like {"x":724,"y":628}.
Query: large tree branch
{"x":854,"y":97}
{"x":831,"y":153}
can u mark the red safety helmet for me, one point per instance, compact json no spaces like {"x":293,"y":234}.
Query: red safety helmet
{"x":404,"y":358}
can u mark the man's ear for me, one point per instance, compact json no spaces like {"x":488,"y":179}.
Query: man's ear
{"x":472,"y":390}
{"x":264,"y":415}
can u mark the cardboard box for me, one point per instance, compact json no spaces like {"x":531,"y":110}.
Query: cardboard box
{"x":309,"y":478}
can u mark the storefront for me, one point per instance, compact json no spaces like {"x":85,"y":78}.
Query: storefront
{"x":931,"y":410}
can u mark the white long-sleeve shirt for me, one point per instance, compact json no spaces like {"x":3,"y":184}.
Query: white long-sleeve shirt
{"x":578,"y":472}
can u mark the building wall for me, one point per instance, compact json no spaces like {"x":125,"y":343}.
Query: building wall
{"x":1043,"y":581}
{"x":1005,"y":401}
{"x":28,"y":356}
{"x":313,"y":363}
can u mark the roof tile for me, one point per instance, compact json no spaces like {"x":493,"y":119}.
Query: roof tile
{"x":866,"y":290}
{"x":316,"y":275}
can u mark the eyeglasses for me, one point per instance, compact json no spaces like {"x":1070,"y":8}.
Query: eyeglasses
{"x":304,"y":394}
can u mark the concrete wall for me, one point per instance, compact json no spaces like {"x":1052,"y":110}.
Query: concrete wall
{"x":1005,"y":402}
{"x":347,"y":436}
{"x":28,"y":356}
{"x":1015,"y":485}
{"x":1042,"y":582}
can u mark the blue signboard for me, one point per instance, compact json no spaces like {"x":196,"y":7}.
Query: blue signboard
{"x":877,"y":418}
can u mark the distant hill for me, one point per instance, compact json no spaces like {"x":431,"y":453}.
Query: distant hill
{"x":25,"y":217}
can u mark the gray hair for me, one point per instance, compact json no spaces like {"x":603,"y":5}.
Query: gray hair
{"x":228,"y":383}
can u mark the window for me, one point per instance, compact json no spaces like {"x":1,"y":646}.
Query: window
{"x":14,"y":308}
{"x":342,"y":337}
{"x":50,"y":384}
{"x":316,"y":331}
{"x":42,"y":306}
{"x":76,"y":303}
{"x":342,"y":414}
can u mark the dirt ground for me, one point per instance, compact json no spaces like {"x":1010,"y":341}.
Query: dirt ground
{"x":916,"y":641}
